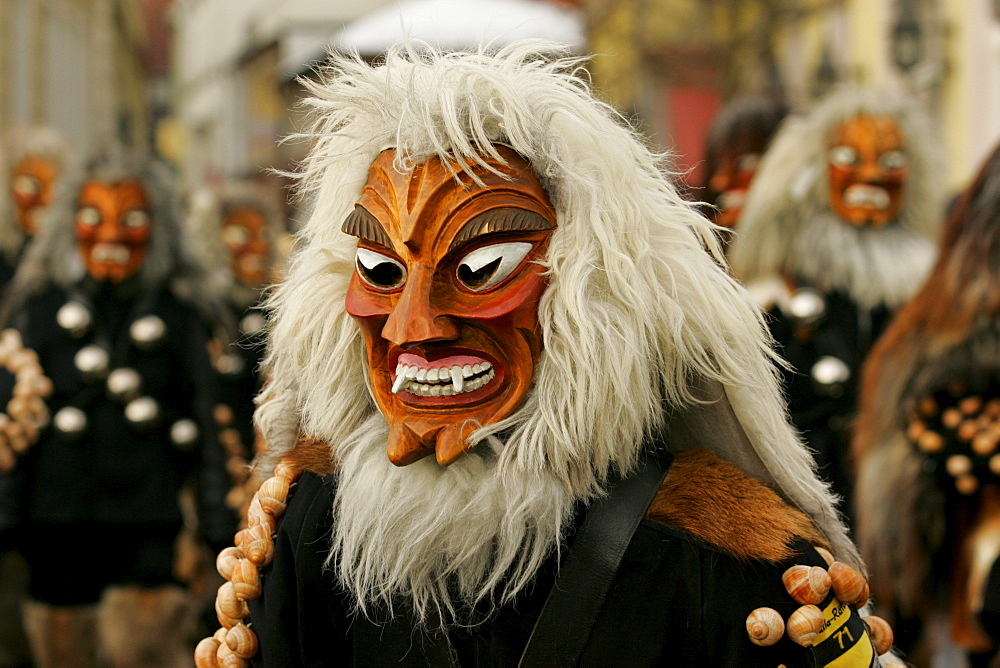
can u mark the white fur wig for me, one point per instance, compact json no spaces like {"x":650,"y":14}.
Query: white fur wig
{"x":54,"y":257}
{"x":635,"y":311}
{"x":787,"y":226}
{"x":20,"y":143}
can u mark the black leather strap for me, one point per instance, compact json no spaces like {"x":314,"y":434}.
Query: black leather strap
{"x":564,"y":626}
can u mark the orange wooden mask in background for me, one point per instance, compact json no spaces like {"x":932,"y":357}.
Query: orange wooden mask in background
{"x":446,"y":292}
{"x":868,"y":166}
{"x":244,"y":234}
{"x":112,"y":228}
{"x":32,"y":183}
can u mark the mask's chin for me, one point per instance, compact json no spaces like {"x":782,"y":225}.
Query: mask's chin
{"x":416,"y":439}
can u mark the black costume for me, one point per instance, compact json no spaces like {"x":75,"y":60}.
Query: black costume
{"x":826,"y":348}
{"x":114,"y":479}
{"x":238,"y":373}
{"x":675,"y":601}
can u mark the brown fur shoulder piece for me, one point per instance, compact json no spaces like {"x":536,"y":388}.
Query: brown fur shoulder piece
{"x":719,"y":504}
{"x":310,"y":454}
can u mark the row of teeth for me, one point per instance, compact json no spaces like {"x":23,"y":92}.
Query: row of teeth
{"x":113,"y":253}
{"x":732,"y":199}
{"x":861,"y":195}
{"x":442,"y":381}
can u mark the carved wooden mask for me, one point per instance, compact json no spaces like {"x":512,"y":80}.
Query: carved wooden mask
{"x":32,"y":184}
{"x":113,"y":225}
{"x":731,"y":179}
{"x":446,"y":292}
{"x":243,"y":233}
{"x":868,"y":166}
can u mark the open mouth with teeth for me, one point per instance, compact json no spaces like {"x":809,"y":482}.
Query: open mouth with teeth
{"x":110,"y":253}
{"x":865,"y":195}
{"x":732,"y":199}
{"x":463,"y":377}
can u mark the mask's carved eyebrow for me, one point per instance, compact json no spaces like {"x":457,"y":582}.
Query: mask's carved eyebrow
{"x":501,"y":220}
{"x":362,"y":224}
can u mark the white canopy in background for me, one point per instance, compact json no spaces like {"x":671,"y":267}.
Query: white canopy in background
{"x":451,"y":25}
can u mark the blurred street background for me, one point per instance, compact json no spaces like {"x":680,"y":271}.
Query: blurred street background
{"x":212,"y":84}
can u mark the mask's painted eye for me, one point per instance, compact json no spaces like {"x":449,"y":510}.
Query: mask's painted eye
{"x":235,"y":235}
{"x":843,"y":156}
{"x":136,"y":219}
{"x":894,"y":160}
{"x":88,"y":216}
{"x":380,"y":271}
{"x":485,"y":267}
{"x":27,"y":186}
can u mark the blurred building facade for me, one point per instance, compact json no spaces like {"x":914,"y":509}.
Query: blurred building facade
{"x":85,"y":67}
{"x":234,"y":88}
{"x":674,"y":63}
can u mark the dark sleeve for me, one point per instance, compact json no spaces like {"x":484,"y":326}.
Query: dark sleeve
{"x":676,"y":602}
{"x":301,"y":617}
{"x":217,"y":522}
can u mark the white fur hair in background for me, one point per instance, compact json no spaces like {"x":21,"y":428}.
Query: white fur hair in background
{"x":787,"y":226}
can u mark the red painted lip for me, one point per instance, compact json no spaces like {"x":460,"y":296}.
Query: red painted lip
{"x":441,"y":358}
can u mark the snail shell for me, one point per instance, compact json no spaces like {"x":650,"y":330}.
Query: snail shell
{"x":273,"y":495}
{"x":227,"y":560}
{"x":927,"y":407}
{"x":205,"y":653}
{"x":38,"y":386}
{"x":966,"y":484}
{"x":881,"y":633}
{"x":246,"y":580}
{"x":223,"y":415}
{"x":226,"y":657}
{"x":242,"y":537}
{"x":220,"y":634}
{"x":286,"y":469}
{"x":804,"y":624}
{"x":967,"y":430}
{"x":242,"y":641}
{"x":765,"y":627}
{"x":915,"y":429}
{"x":256,"y":516}
{"x":232,"y":661}
{"x":849,"y":586}
{"x":224,"y":619}
{"x":6,"y":458}
{"x":259,"y":548}
{"x":10,"y":340}
{"x":970,"y":405}
{"x":984,"y":443}
{"x":22,"y":359}
{"x":930,"y":441}
{"x":229,"y":604}
{"x":807,"y":584}
{"x":957,"y":465}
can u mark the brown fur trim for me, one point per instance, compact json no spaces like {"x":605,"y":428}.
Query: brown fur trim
{"x":310,"y":454}
{"x":719,"y":504}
